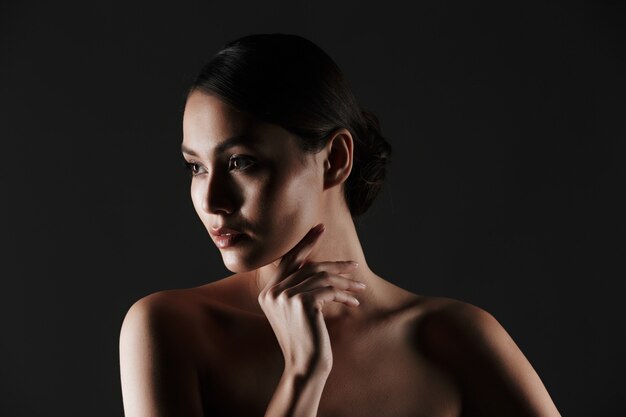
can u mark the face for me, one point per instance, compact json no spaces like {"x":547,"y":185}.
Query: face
{"x":249,"y":176}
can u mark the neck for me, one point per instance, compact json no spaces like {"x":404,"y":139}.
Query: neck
{"x":339,"y":242}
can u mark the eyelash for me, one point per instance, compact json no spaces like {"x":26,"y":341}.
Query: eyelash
{"x":191,"y":166}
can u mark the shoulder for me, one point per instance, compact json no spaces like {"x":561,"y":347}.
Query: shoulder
{"x":163,"y":322}
{"x":184,"y":318}
{"x":456,"y":333}
{"x":447,"y":320}
{"x":475,"y":349}
{"x":161,"y":310}
{"x":160,"y":347}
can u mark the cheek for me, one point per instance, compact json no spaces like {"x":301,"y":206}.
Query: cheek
{"x":278,"y":205}
{"x":284,"y":210}
{"x":197,"y":197}
{"x":282,"y":195}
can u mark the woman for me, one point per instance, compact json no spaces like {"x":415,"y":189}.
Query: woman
{"x":282,"y":161}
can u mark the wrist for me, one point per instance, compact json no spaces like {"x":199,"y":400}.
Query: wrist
{"x":298,"y":393}
{"x":315,"y":371}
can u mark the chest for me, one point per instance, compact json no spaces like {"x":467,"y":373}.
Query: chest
{"x":377,"y":373}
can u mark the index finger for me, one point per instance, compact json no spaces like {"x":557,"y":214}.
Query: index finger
{"x":297,"y":256}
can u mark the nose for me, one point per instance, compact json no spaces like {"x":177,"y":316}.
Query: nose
{"x":218,"y":195}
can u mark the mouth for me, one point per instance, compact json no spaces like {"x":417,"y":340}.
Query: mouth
{"x":227,"y":240}
{"x":225,"y":237}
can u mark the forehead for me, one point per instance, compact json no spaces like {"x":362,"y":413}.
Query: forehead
{"x":209,"y":125}
{"x":208,"y":117}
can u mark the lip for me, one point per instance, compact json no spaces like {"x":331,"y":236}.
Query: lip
{"x":225,"y":237}
{"x":223,"y":231}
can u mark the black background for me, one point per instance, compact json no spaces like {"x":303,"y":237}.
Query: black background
{"x":506,"y":188}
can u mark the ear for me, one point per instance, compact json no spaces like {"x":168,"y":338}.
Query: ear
{"x":338,"y":159}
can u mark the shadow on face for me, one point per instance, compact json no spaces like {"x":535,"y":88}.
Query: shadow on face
{"x":249,"y":176}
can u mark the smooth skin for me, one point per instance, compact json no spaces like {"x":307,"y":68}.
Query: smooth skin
{"x":292,"y":332}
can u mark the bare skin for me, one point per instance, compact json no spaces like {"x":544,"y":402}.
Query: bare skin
{"x":283,"y":335}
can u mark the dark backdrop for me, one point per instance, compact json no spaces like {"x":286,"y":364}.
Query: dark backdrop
{"x":506,"y":188}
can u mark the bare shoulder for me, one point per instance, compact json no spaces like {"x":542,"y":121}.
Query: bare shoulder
{"x":475,"y":349}
{"x":459,"y":333}
{"x":160,"y":302}
{"x":164,"y":317}
{"x":186,"y":306}
{"x":160,"y":348}
{"x":446,"y":320}
{"x":186,"y":316}
{"x":165,"y":340}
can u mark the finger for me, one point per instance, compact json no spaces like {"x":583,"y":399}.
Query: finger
{"x":316,"y":298}
{"x":333,"y":267}
{"x":308,"y":270}
{"x":325,"y":279}
{"x":293,"y":260}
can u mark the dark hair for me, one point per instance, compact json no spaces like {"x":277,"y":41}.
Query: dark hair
{"x":290,"y":81}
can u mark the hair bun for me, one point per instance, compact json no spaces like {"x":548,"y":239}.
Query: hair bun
{"x":374,"y":153}
{"x":378,"y":145}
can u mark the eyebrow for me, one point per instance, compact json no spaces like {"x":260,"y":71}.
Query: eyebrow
{"x":241,"y":139}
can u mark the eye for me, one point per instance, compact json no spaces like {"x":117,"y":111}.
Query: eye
{"x":239,"y":163}
{"x":194,"y":168}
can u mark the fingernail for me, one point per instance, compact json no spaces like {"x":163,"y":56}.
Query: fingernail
{"x":355,"y":264}
{"x":319,"y":228}
{"x":361,"y":284}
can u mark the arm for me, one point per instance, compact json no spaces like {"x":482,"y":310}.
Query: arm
{"x":297,"y":395}
{"x":293,"y":301}
{"x":158,"y":376}
{"x":495,"y":377}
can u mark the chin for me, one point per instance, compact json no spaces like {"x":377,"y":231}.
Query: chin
{"x":238,"y":262}
{"x":250,"y":255}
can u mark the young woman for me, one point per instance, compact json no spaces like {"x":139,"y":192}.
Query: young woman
{"x":282,"y":161}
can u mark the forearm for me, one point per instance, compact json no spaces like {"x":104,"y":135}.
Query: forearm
{"x":297,"y":394}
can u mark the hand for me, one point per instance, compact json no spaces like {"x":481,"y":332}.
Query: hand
{"x":293,"y":301}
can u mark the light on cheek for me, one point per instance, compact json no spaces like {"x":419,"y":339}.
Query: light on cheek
{"x":198,"y":198}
